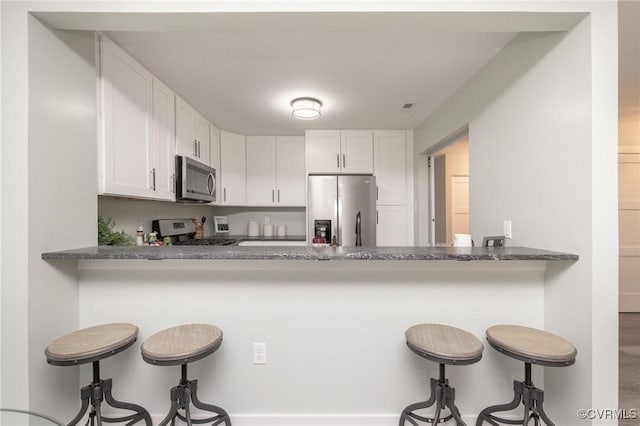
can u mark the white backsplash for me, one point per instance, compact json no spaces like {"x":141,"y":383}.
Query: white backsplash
{"x":239,"y":217}
{"x":128,"y":213}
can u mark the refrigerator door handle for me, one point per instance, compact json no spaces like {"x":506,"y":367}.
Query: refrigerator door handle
{"x":338,"y":216}
{"x":358,"y":229}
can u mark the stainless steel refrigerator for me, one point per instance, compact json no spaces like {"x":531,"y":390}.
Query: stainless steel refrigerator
{"x":343,"y":206}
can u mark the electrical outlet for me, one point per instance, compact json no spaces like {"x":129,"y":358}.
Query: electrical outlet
{"x":259,"y":353}
{"x":506,"y":229}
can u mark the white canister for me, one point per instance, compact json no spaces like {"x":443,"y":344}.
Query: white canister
{"x":282,"y":230}
{"x":253,"y":229}
{"x":462,"y":240}
{"x":267,"y":230}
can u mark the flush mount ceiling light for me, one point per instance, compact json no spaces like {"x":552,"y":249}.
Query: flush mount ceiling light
{"x":306,"y":108}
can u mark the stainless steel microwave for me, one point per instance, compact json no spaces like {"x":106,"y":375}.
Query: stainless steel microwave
{"x":194,"y":181}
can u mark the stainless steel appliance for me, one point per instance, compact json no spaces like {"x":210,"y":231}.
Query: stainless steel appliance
{"x":194,"y":181}
{"x":182,"y":232}
{"x":343,"y":206}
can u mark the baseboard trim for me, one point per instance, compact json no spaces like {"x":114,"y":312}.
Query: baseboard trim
{"x":316,"y":419}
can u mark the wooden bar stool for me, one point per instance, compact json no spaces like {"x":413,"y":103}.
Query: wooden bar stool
{"x":179,"y":346}
{"x":92,"y":345}
{"x":445,"y":345}
{"x":533,"y":347}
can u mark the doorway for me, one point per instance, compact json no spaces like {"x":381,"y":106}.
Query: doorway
{"x":449,"y":189}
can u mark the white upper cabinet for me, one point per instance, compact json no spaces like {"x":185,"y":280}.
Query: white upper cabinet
{"x":356,"y":151}
{"x":214,"y":146}
{"x":192,"y":133}
{"x":290,"y":171}
{"x":261,"y":170}
{"x":335,"y":151}
{"x":323,"y":151}
{"x":232,"y":169}
{"x":390,"y":166}
{"x":275,"y":171}
{"x":164,"y":142}
{"x":127,"y":155}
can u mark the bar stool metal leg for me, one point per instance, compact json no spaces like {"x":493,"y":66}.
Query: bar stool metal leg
{"x":100,"y":390}
{"x":525,"y":393}
{"x":443,"y":396}
{"x":185,"y":393}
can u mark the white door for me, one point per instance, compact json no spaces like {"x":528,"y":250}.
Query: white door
{"x":203,"y":140}
{"x":290,"y":176}
{"x":323,"y":151}
{"x":261,"y":170}
{"x":186,"y":143}
{"x":214,"y":145}
{"x":391,"y":226}
{"x":390,"y":166}
{"x":233,"y":169}
{"x":356,"y":151}
{"x":127,"y":96}
{"x":629,"y":235}
{"x":459,"y":205}
{"x":164,"y":142}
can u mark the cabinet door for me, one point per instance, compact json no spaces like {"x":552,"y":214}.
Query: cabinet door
{"x":290,"y":171}
{"x":323,"y":151}
{"x":203,"y":148}
{"x":356,"y":151}
{"x":232,"y":169}
{"x":127,"y":91}
{"x":214,"y":158}
{"x":391,"y":227}
{"x":390,"y":166}
{"x":261,"y":170}
{"x":186,"y":130}
{"x":164,"y":143}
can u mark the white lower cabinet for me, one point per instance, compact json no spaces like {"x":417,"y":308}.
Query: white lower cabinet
{"x":137,"y":145}
{"x":232,"y":169}
{"x":391,"y":226}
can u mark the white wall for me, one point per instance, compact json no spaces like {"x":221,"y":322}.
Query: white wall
{"x":336,"y":353}
{"x":293,"y":217}
{"x":62,"y":200}
{"x":533,"y":149}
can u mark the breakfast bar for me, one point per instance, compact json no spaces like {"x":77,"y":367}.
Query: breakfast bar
{"x":332,"y":321}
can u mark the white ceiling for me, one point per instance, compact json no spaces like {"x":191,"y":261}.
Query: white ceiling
{"x":243,"y":77}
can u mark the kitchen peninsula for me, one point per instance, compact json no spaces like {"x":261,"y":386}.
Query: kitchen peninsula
{"x":332,"y":319}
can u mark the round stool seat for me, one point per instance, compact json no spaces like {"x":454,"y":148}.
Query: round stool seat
{"x":181,"y":344}
{"x":531,"y":345}
{"x":91,"y":344}
{"x":444,"y":344}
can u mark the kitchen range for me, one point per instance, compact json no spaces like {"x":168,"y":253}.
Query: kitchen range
{"x":183,"y":232}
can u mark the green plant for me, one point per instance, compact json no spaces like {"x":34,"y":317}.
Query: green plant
{"x":107,"y":236}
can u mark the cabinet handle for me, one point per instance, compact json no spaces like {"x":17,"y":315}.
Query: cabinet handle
{"x":377,"y":192}
{"x":344,"y":160}
{"x":154,"y":178}
{"x":199,"y":152}
{"x":195,"y":147}
{"x":278,"y":195}
{"x":338,"y":160}
{"x":273,"y":196}
{"x":224,"y":195}
{"x":377,"y":217}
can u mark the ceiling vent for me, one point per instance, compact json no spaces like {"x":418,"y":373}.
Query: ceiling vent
{"x":407,"y":107}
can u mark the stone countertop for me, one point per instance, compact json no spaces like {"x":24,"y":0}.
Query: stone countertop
{"x":308,"y":253}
